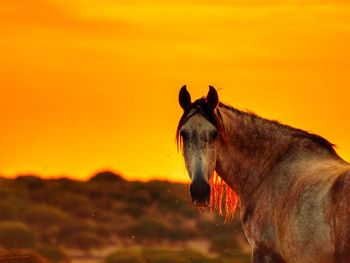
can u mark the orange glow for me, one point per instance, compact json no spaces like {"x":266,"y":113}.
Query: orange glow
{"x":93,"y":84}
{"x":223,"y":199}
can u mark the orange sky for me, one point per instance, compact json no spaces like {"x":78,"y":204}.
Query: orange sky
{"x":92,"y":84}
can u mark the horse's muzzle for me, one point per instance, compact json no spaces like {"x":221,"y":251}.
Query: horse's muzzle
{"x":200,"y":193}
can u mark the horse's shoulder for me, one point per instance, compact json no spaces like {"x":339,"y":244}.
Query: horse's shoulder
{"x":341,"y":186}
{"x":340,"y":216}
{"x":339,"y":198}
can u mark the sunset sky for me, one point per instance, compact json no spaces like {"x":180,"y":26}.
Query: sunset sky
{"x":88,"y":85}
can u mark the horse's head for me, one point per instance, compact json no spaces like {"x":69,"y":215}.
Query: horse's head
{"x":198,"y":133}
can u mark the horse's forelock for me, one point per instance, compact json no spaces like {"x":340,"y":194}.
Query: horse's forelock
{"x":200,"y":106}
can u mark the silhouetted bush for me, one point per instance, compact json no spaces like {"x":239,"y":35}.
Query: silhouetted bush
{"x":16,"y":235}
{"x":32,"y":182}
{"x":106,"y":177}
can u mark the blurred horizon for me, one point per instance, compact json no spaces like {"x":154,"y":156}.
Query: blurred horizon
{"x":93,"y":85}
{"x":99,"y":172}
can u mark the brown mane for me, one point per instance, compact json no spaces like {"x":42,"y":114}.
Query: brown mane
{"x":297,"y":133}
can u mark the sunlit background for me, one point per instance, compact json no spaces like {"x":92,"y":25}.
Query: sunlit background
{"x":92,"y":84}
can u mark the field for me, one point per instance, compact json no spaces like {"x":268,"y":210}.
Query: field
{"x":110,"y":220}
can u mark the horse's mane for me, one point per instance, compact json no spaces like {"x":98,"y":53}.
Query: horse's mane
{"x":222,"y":197}
{"x":295,"y":132}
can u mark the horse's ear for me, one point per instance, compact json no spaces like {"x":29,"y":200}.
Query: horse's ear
{"x":212,"y":98}
{"x":184,"y":98}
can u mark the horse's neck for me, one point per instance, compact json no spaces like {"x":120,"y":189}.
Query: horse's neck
{"x":255,"y":146}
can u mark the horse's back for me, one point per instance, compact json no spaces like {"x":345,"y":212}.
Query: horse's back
{"x":340,"y":217}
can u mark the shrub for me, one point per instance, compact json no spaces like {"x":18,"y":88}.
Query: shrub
{"x":162,"y":255}
{"x":196,"y":257}
{"x":179,"y":232}
{"x":70,"y":227}
{"x":106,"y":177}
{"x":154,"y":255}
{"x":21,"y":256}
{"x":44,"y":217}
{"x":146,"y":229}
{"x":67,"y":201}
{"x":228,"y":258}
{"x":84,"y":241}
{"x":126,"y":256}
{"x":172,"y":256}
{"x":134,"y":210}
{"x":7,"y":211}
{"x":32,"y":182}
{"x":224,"y":243}
{"x":54,"y":254}
{"x":16,"y":235}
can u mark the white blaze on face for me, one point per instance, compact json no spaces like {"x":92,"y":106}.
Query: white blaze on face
{"x":199,"y":146}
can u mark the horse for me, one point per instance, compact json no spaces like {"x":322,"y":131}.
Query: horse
{"x":291,"y":187}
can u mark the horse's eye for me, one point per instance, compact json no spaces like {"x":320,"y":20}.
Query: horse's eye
{"x":214,"y":135}
{"x":184,"y":135}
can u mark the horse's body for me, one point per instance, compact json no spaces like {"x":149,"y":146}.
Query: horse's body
{"x":294,"y":189}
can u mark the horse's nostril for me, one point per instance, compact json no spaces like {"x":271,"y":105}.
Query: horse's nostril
{"x":200,"y":190}
{"x":193,"y":190}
